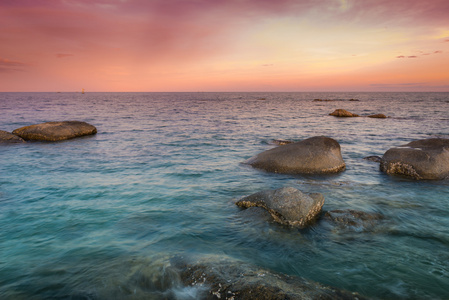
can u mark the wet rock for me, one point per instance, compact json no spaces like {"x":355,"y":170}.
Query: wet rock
{"x":358,"y":220}
{"x":421,"y":159}
{"x":373,"y":158}
{"x":342,"y":113}
{"x":287,"y":205}
{"x":281,"y":142}
{"x":9,"y":138}
{"x":378,"y":116}
{"x":55,"y":131}
{"x":316,"y":155}
{"x":232,"y":279}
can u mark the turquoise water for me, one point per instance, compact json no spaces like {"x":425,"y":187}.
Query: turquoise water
{"x":80,"y":218}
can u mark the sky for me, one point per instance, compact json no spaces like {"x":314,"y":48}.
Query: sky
{"x":224,"y":45}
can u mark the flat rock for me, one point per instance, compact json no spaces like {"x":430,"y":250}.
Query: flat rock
{"x":421,"y":159}
{"x":315,"y":155}
{"x":342,"y":113}
{"x":287,"y":205}
{"x":225,"y":278}
{"x":55,"y":131}
{"x":9,"y":138}
{"x":378,"y":116}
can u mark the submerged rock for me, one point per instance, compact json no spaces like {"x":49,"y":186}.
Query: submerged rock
{"x":232,"y":279}
{"x":358,"y":220}
{"x":287,"y":205}
{"x":315,"y":155}
{"x":342,"y":113}
{"x":421,"y":159}
{"x":9,"y":138}
{"x":373,"y":158}
{"x":378,"y":116}
{"x":281,"y":142}
{"x":55,"y":131}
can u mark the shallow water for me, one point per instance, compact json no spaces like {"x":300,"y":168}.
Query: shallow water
{"x":85,"y":218}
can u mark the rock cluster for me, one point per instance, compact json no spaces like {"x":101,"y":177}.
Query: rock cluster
{"x":421,"y":159}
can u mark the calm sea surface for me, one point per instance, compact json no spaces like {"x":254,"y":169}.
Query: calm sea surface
{"x":80,"y":218}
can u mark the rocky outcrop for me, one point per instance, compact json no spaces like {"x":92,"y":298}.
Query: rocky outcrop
{"x":287,"y":205}
{"x":9,"y":138}
{"x":343,"y":113}
{"x":225,"y":278}
{"x":55,"y":131}
{"x":316,"y":155}
{"x":421,"y":159}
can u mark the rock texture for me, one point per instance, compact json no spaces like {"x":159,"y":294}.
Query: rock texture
{"x":231,"y":279}
{"x":287,"y":205}
{"x":421,"y":159}
{"x":342,"y":113}
{"x":55,"y":131}
{"x":9,"y":138}
{"x":316,"y":155}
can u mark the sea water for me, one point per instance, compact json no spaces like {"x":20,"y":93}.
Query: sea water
{"x":99,"y":217}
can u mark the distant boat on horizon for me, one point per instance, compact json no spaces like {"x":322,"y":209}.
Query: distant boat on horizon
{"x":82,"y":91}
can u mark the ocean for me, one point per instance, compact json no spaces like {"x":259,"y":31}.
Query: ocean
{"x":99,"y":217}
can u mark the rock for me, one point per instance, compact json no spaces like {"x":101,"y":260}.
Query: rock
{"x":316,"y":155}
{"x":227,"y":278}
{"x":287,"y":205}
{"x":55,"y":131}
{"x":421,"y":159}
{"x":9,"y":138}
{"x":342,"y":113}
{"x":379,"y":116}
{"x":281,"y":142}
{"x":358,"y":220}
{"x":373,"y":158}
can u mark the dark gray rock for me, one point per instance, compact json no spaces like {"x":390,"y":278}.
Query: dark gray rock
{"x":421,"y":159}
{"x":373,"y":158}
{"x":287,"y":205}
{"x":315,"y":155}
{"x":9,"y":138}
{"x":232,"y":279}
{"x":55,"y":131}
{"x":342,"y":113}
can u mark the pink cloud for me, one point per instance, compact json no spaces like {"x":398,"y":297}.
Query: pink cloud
{"x":7,"y":65}
{"x":62,"y":55}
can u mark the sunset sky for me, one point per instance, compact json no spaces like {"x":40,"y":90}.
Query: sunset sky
{"x":224,"y":45}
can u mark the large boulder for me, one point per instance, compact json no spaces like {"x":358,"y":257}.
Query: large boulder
{"x":287,"y":205}
{"x":55,"y":131}
{"x":342,"y":113}
{"x":421,"y":159}
{"x":9,"y":138}
{"x":315,"y":155}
